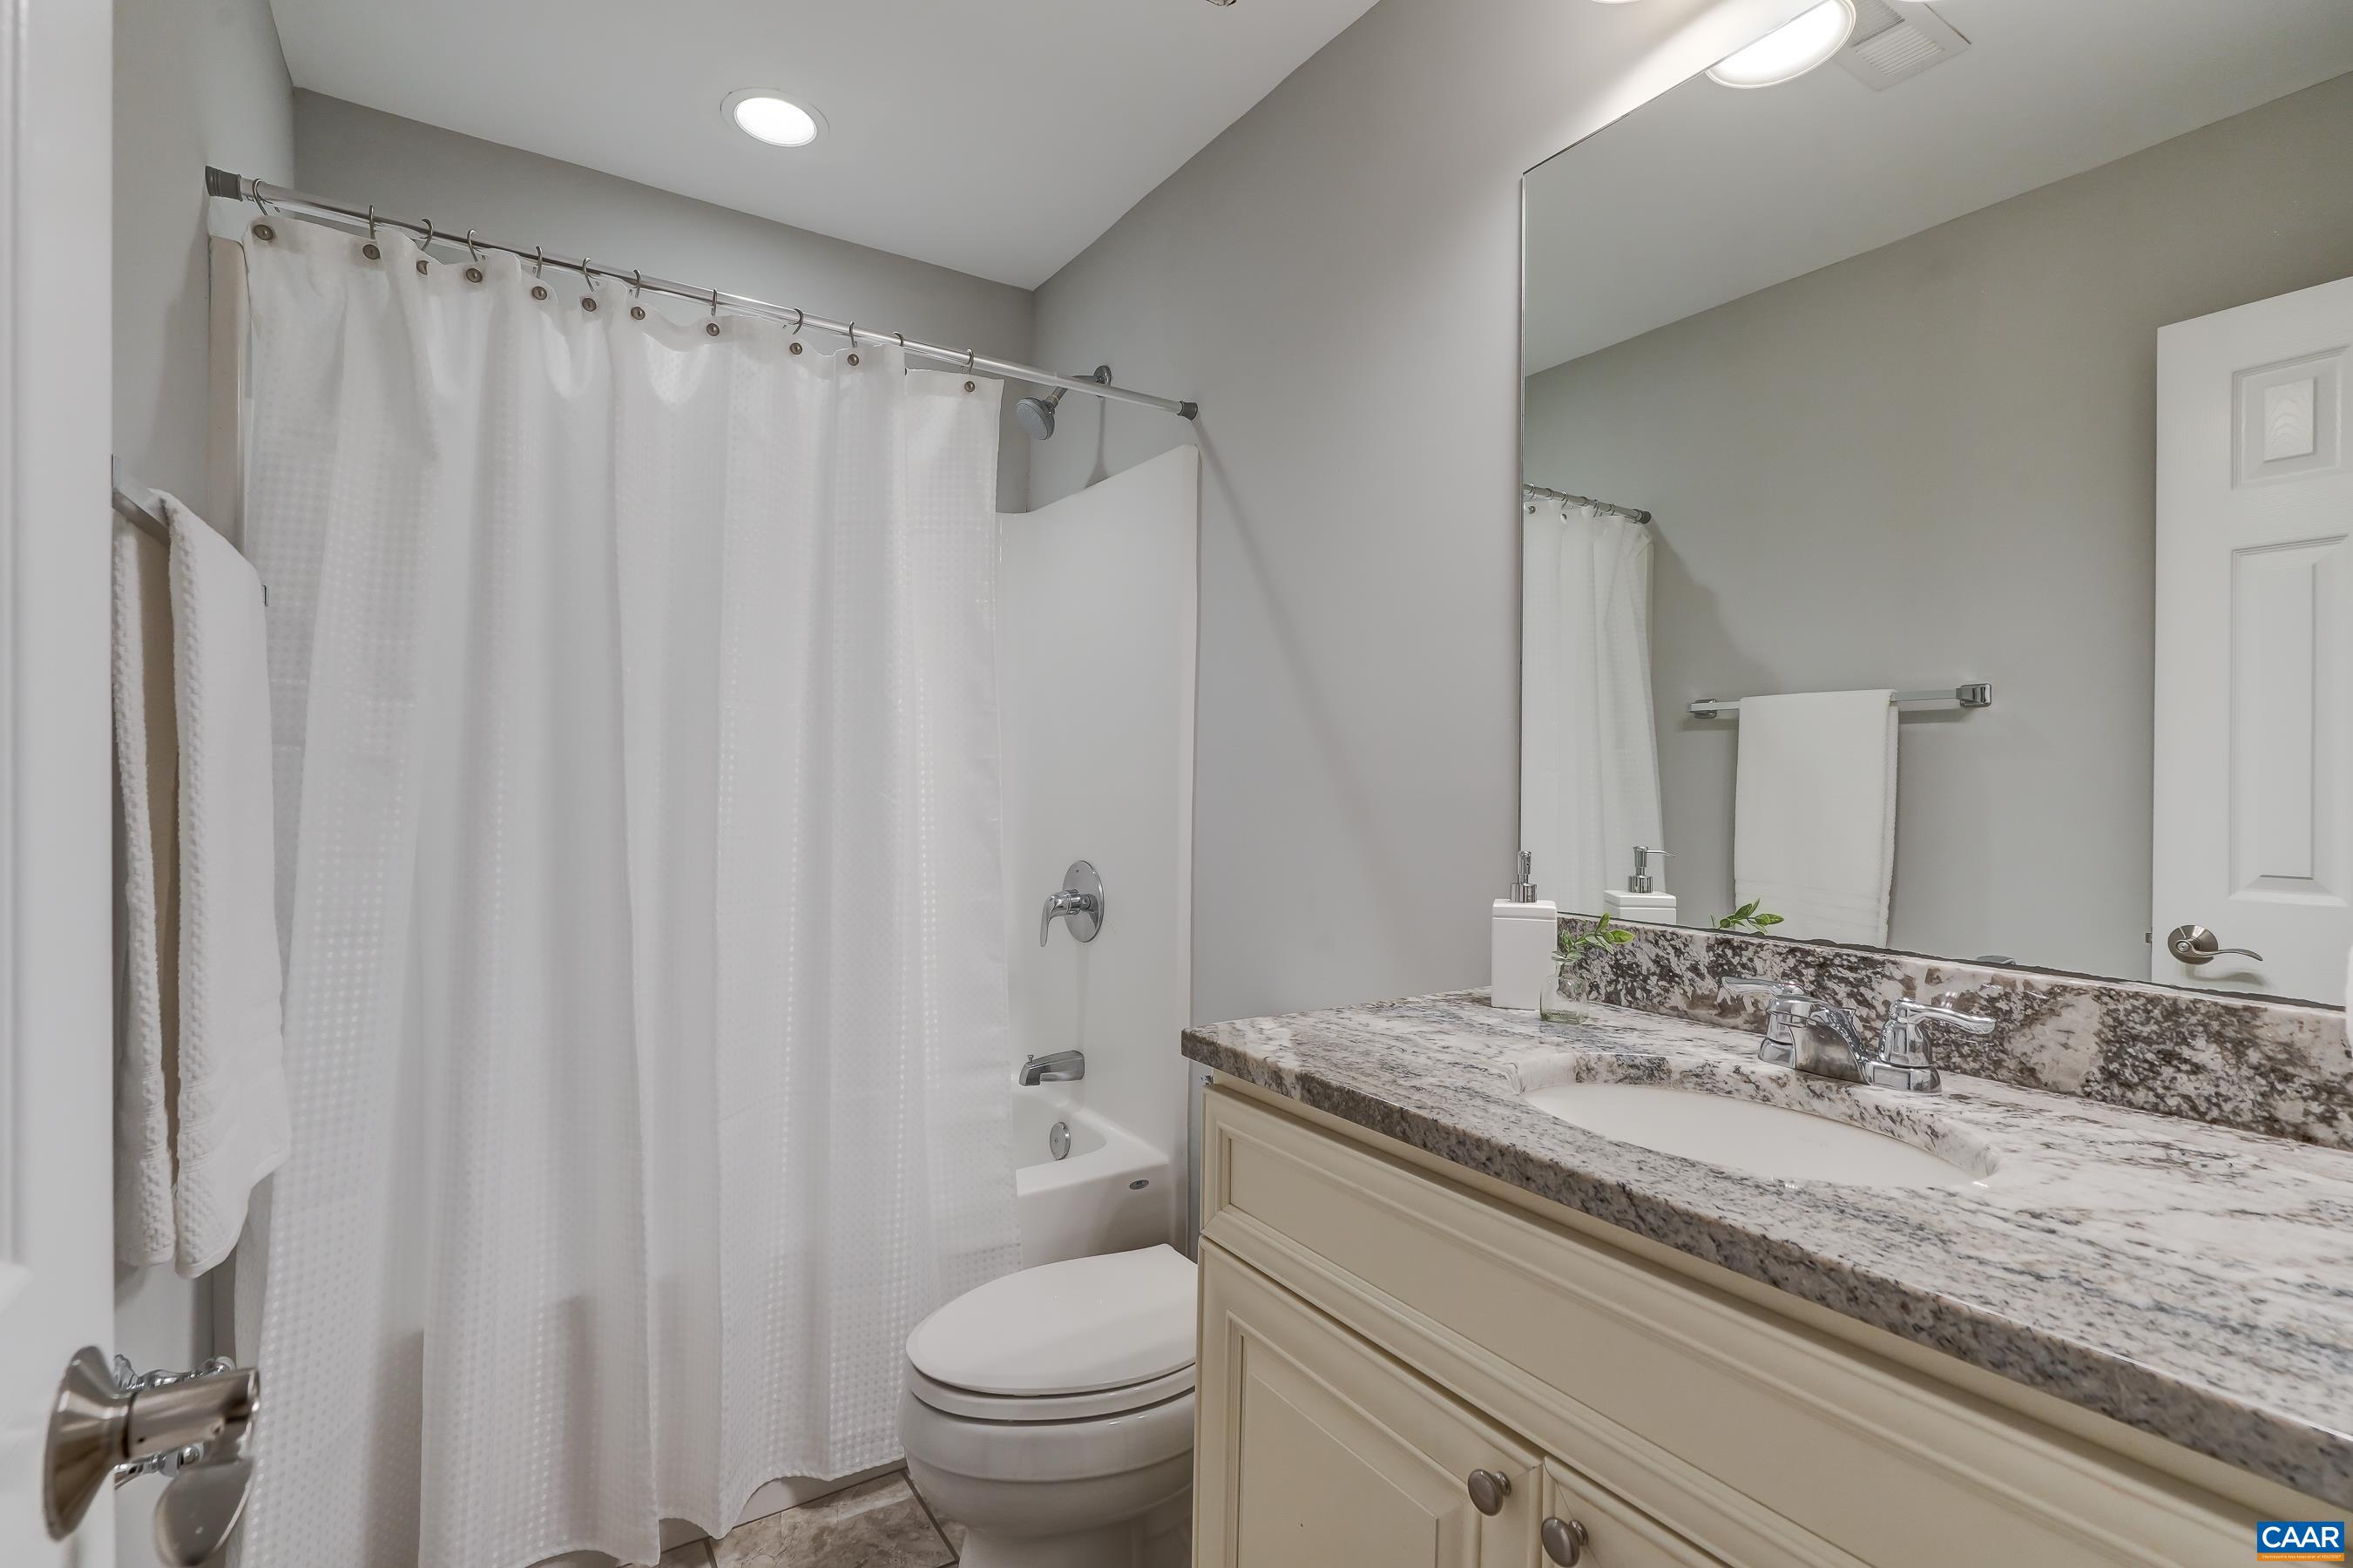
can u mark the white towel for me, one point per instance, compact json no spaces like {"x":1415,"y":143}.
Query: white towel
{"x":232,"y":1128}
{"x":1813,"y":820}
{"x":146,"y":759}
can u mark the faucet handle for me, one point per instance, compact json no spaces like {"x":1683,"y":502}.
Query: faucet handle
{"x":1732,"y":986}
{"x":1908,"y":1015}
{"x":1903,"y":1061}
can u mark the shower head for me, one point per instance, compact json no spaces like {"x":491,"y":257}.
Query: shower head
{"x":1037,"y":414}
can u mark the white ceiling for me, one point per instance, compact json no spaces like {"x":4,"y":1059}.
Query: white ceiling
{"x":1709,"y":192}
{"x":998,"y":138}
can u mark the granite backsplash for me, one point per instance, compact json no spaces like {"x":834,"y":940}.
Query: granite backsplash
{"x":2277,"y":1068}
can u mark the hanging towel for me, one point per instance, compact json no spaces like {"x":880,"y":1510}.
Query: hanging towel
{"x":146,"y":759}
{"x":230,"y":1128}
{"x":1813,"y":820}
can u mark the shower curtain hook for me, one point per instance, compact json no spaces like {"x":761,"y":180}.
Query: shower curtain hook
{"x":853,"y":336}
{"x":538,"y":262}
{"x":799,"y":316}
{"x":472,"y":249}
{"x":371,"y":223}
{"x":636,"y":282}
{"x":967,"y":360}
{"x":588,"y":270}
{"x":714,"y":304}
{"x":426,"y":244}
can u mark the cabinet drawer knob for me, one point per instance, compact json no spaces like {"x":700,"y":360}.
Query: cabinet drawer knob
{"x":1488,"y":1491}
{"x":1565,"y":1541}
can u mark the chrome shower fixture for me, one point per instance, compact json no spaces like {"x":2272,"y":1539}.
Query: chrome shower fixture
{"x":1037,"y":414}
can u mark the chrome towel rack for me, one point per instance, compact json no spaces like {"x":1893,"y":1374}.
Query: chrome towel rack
{"x":140,"y":507}
{"x":1969,"y":694}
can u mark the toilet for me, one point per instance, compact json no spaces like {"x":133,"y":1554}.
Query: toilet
{"x":1051,"y":1413}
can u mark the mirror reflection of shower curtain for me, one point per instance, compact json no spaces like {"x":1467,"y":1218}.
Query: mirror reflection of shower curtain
{"x":1588,"y":740}
{"x":635,"y":716}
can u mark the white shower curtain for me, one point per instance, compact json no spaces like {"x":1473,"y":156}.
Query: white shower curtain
{"x":637,"y":795}
{"x":1589,"y":743}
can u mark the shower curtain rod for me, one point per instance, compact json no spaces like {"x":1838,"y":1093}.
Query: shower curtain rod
{"x":273,"y":198}
{"x":1631,"y":514}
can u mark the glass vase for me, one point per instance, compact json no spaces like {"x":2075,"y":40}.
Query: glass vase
{"x":1569,"y":990}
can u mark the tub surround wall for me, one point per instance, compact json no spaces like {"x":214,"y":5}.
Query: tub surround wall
{"x":2282,"y":1069}
{"x":2185,"y":1279}
{"x":1096,"y":618}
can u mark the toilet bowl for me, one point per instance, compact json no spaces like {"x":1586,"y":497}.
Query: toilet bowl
{"x":1051,"y":1413}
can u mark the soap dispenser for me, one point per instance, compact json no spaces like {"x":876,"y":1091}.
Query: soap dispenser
{"x":1526,"y":930}
{"x":1644,"y":899}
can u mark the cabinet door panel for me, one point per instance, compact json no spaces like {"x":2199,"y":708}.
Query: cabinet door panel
{"x":1317,"y":1451}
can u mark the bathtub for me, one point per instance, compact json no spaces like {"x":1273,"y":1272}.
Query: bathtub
{"x":1111,"y":1192}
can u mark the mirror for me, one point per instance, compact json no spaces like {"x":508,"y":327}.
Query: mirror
{"x":2000,"y":363}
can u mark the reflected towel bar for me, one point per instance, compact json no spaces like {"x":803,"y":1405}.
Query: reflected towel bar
{"x":1973,"y":694}
{"x":137,"y":505}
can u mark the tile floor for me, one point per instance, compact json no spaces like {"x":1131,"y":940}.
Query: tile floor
{"x":881,"y":1524}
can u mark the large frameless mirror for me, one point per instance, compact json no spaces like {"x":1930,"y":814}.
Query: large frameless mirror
{"x":1938,"y":492}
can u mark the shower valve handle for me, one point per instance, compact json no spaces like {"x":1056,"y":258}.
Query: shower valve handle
{"x":1079,"y":900}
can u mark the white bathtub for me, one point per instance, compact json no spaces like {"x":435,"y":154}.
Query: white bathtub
{"x":1112,"y":1193}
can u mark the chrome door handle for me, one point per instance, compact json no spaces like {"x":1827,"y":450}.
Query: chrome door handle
{"x":102,"y":1428}
{"x":1488,"y":1491}
{"x":1565,"y":1541}
{"x":2196,"y":945}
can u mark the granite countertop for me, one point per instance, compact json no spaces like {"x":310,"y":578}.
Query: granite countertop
{"x":2190,"y":1280}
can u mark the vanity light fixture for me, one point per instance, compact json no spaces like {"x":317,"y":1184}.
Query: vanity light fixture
{"x":1790,"y":50}
{"x":770,"y":117}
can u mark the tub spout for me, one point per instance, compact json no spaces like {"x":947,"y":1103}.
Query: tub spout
{"x":1062,"y":1067}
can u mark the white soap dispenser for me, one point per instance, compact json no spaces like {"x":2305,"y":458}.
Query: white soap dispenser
{"x":1643,"y":899}
{"x":1526,"y":930}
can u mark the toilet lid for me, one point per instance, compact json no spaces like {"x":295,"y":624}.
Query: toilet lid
{"x":1065,"y":1328}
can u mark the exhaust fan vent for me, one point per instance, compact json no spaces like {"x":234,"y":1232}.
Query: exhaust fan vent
{"x":1894,"y":41}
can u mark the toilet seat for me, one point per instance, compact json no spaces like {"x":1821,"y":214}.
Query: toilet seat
{"x":1085,"y":1337}
{"x":953,"y":1401}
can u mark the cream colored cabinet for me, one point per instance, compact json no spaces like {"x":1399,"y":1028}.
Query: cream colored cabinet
{"x":1374,"y":1330}
{"x":1317,"y":1451}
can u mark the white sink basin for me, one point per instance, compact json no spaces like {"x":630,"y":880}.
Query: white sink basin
{"x":1744,"y":1135}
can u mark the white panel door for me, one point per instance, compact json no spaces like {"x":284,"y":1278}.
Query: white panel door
{"x":2254,"y":645}
{"x":57,"y":1233}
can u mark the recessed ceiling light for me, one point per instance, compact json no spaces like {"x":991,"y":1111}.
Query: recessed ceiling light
{"x":1790,"y":50}
{"x":771,"y":117}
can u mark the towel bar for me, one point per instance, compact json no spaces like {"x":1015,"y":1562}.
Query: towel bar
{"x":137,"y":505}
{"x":1969,"y":694}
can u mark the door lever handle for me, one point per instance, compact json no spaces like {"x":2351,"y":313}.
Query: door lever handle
{"x":101,"y":1429}
{"x":2195,"y":945}
{"x":197,"y":1512}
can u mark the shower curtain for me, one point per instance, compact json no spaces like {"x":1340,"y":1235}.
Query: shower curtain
{"x":1589,"y":743}
{"x":639,"y":838}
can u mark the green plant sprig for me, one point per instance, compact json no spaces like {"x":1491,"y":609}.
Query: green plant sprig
{"x":1750,"y":918}
{"x":1606,"y":935}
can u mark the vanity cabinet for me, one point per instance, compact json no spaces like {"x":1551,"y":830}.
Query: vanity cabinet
{"x":1375,"y":1331}
{"x":1330,"y":1455}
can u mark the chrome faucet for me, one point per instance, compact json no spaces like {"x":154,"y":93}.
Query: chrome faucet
{"x":1062,"y":1067}
{"x":1828,"y":1041}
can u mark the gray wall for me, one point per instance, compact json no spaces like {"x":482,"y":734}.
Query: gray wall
{"x":193,"y":83}
{"x":360,"y":155}
{"x":1336,"y":279}
{"x":1935,"y":462}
